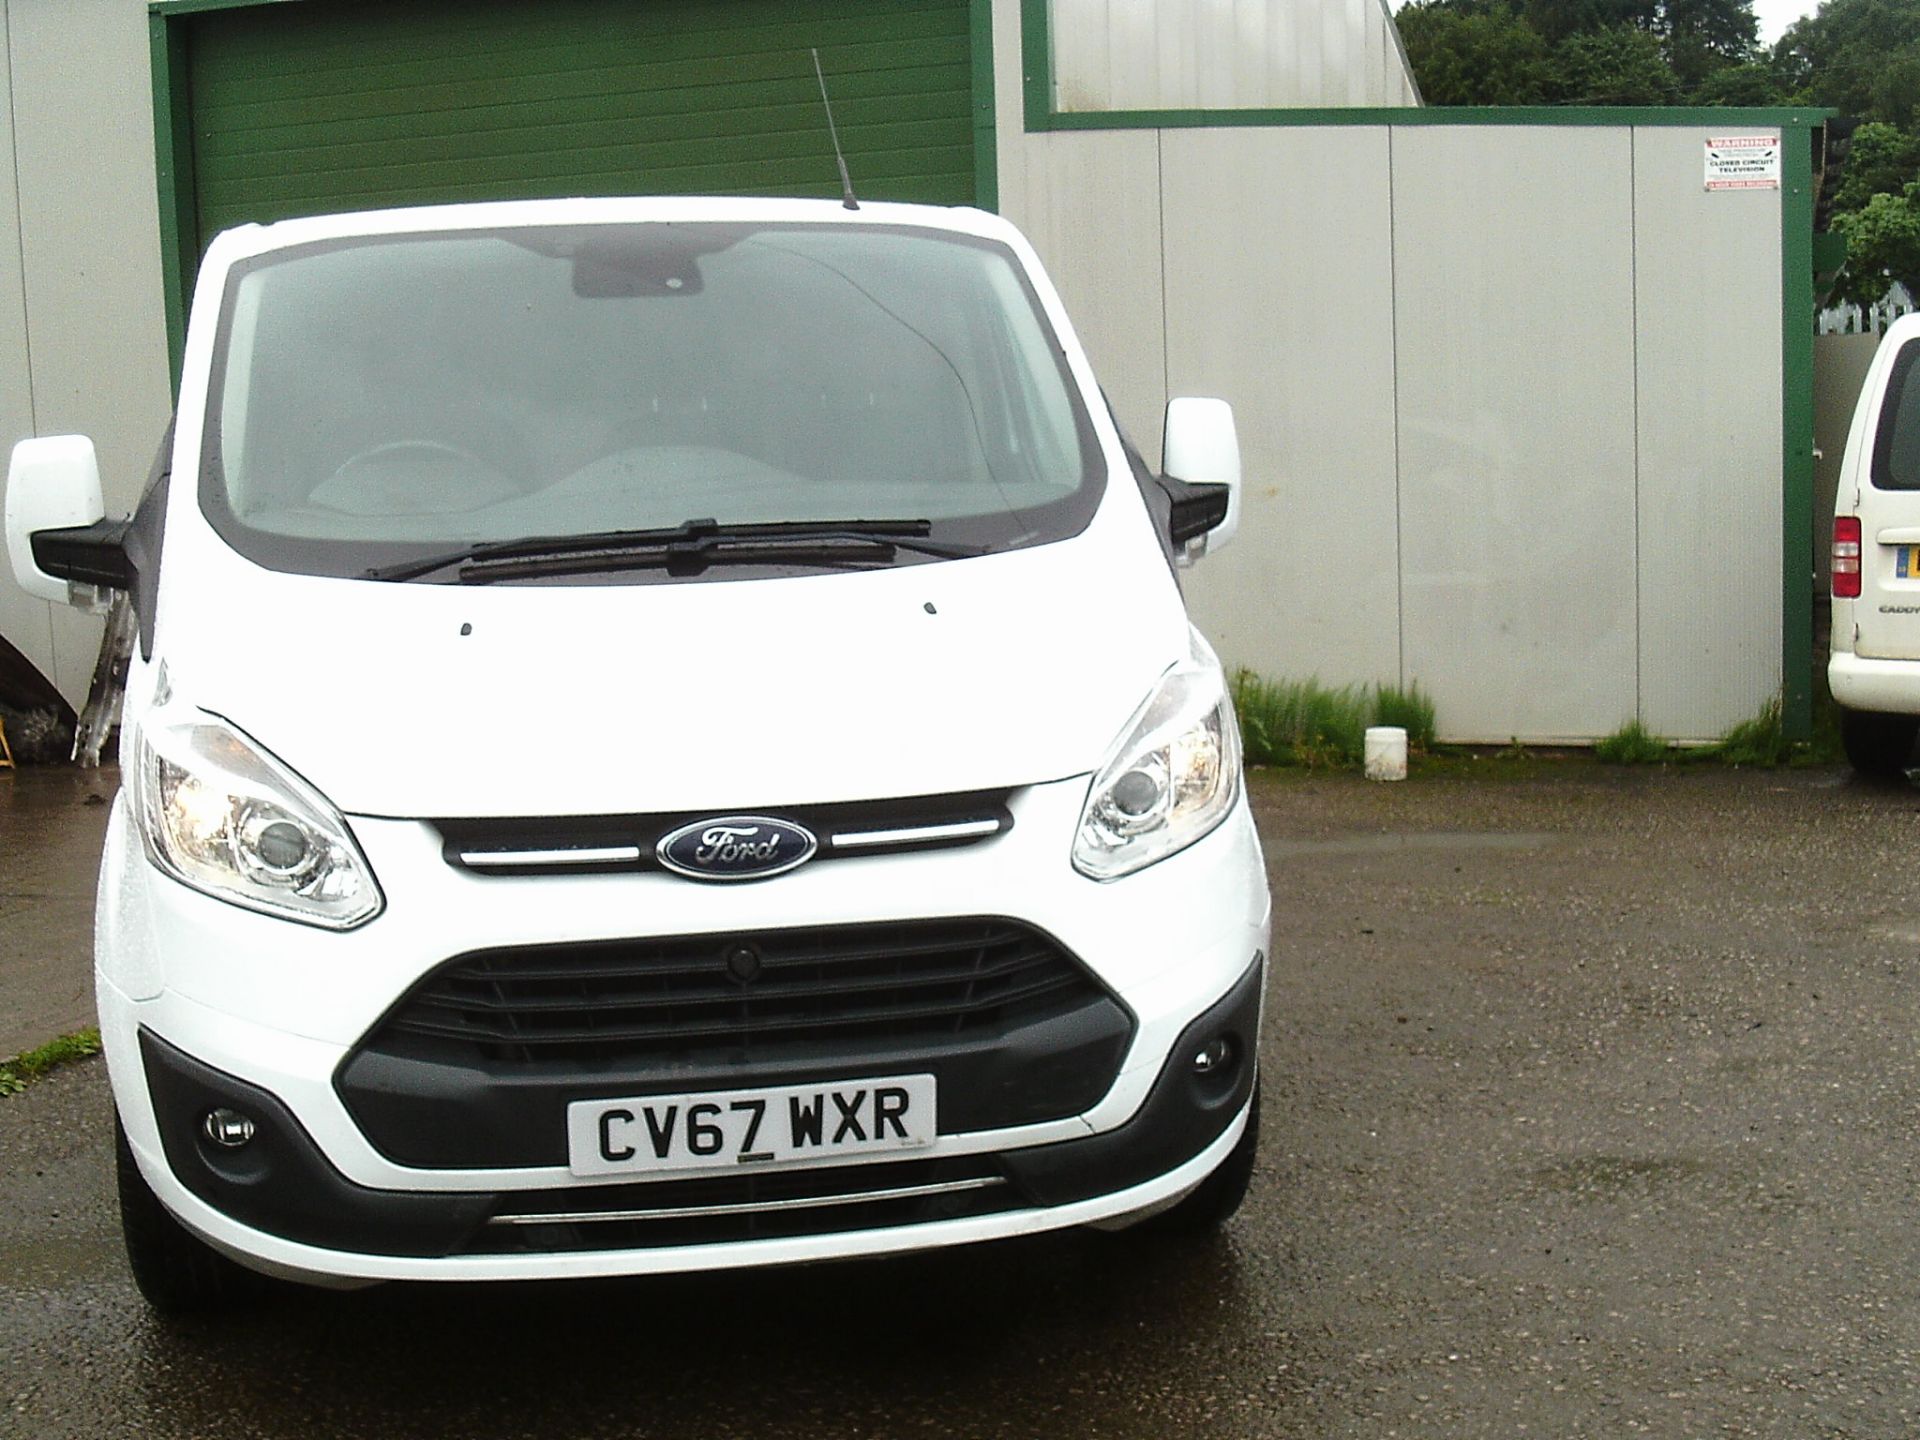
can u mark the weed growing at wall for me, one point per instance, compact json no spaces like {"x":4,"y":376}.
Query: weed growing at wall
{"x":1409,"y":708}
{"x":1302,"y":722}
{"x":1758,"y":741}
{"x":1631,"y":744}
{"x":1305,"y":723}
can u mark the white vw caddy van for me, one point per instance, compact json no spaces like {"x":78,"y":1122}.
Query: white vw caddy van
{"x":662,"y":735}
{"x":1873,"y":667}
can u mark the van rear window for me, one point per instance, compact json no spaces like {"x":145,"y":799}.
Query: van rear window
{"x":1896,"y":449}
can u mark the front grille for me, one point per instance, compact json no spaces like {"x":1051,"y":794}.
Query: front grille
{"x":755,"y":1206}
{"x":742,"y":993}
{"x":620,"y":844}
{"x":477,"y":1064}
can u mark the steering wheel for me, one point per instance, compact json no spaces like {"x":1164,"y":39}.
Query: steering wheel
{"x":393,"y":448}
{"x":441,"y":479}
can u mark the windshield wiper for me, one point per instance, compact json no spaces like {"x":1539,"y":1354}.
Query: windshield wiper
{"x":861,"y":553}
{"x":687,"y":549}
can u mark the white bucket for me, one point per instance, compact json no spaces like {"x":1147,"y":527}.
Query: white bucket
{"x":1386,"y":752}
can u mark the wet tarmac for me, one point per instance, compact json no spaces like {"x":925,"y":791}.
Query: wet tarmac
{"x":52,"y":819}
{"x":1592,"y":1110}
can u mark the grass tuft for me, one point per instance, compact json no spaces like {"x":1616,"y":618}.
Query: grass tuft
{"x":1762,"y":741}
{"x":1305,"y":723}
{"x":16,"y":1074}
{"x":1632,"y":745}
{"x":1302,"y":722}
{"x":1297,"y":722}
{"x":1759,"y":741}
{"x":1411,"y":709}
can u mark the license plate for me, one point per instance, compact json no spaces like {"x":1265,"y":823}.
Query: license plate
{"x":727,"y":1129}
{"x":1906,"y":561}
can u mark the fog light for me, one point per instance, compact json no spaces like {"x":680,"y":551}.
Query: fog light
{"x":1211,"y":1056}
{"x":228,"y":1129}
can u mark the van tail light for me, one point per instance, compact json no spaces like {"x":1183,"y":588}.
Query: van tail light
{"x":1846,"y":557}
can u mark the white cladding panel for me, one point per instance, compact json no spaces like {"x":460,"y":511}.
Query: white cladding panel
{"x":90,"y":247}
{"x":1108,"y":274}
{"x":90,"y":231}
{"x":1224,"y":54}
{"x":26,"y":623}
{"x":1505,"y":293}
{"x":1516,"y":426}
{"x":1307,"y":588}
{"x":1706,"y":305}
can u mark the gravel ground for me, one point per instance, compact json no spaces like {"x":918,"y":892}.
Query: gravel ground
{"x":1590,"y":1111}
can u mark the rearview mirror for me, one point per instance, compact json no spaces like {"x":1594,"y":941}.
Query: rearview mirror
{"x":55,"y":534}
{"x":1201,"y":458}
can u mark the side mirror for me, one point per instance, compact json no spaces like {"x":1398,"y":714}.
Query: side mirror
{"x":1201,"y":457}
{"x":61,"y":546}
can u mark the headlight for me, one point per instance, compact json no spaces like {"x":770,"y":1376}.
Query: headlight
{"x":1172,"y":778}
{"x":222,"y":815}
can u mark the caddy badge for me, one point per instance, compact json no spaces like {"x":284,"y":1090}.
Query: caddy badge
{"x":736,"y":847}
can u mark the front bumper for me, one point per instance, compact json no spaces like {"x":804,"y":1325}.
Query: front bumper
{"x":197,"y":997}
{"x":282,"y":1190}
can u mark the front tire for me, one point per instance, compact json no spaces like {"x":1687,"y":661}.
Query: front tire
{"x":1217,"y":1197}
{"x":1877,"y":744}
{"x":177,"y":1272}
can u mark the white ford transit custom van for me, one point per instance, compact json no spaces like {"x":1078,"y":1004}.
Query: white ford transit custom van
{"x":661,"y":735}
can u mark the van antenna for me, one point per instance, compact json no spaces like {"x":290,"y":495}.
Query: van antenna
{"x":833,"y":133}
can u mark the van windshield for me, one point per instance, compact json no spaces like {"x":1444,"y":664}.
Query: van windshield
{"x":379,"y":400}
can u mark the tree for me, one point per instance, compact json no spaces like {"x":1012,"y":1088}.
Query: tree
{"x":1466,"y":54}
{"x":1556,"y":20}
{"x":1749,"y":84}
{"x":1883,"y":245}
{"x":1724,"y":29}
{"x":1896,"y":89}
{"x":1862,"y":57}
{"x":1881,"y":160}
{"x":1838,"y":56}
{"x":1620,"y":66}
{"x":1590,"y":52}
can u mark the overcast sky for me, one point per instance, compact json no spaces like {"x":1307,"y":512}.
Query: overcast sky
{"x":1776,"y":15}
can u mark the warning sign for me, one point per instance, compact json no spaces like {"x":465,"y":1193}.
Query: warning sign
{"x":1743,"y":162}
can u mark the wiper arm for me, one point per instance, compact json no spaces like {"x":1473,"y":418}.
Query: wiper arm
{"x":694,"y":544}
{"x":709,"y":535}
{"x":861,"y":553}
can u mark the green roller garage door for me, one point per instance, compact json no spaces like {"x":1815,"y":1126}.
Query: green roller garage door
{"x":274,"y":110}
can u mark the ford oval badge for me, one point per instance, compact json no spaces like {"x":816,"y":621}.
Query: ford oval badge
{"x":736,"y":847}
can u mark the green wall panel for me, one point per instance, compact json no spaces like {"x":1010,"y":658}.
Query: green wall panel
{"x":329,"y":105}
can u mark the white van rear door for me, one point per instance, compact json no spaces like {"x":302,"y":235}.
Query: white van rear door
{"x":1888,"y":481}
